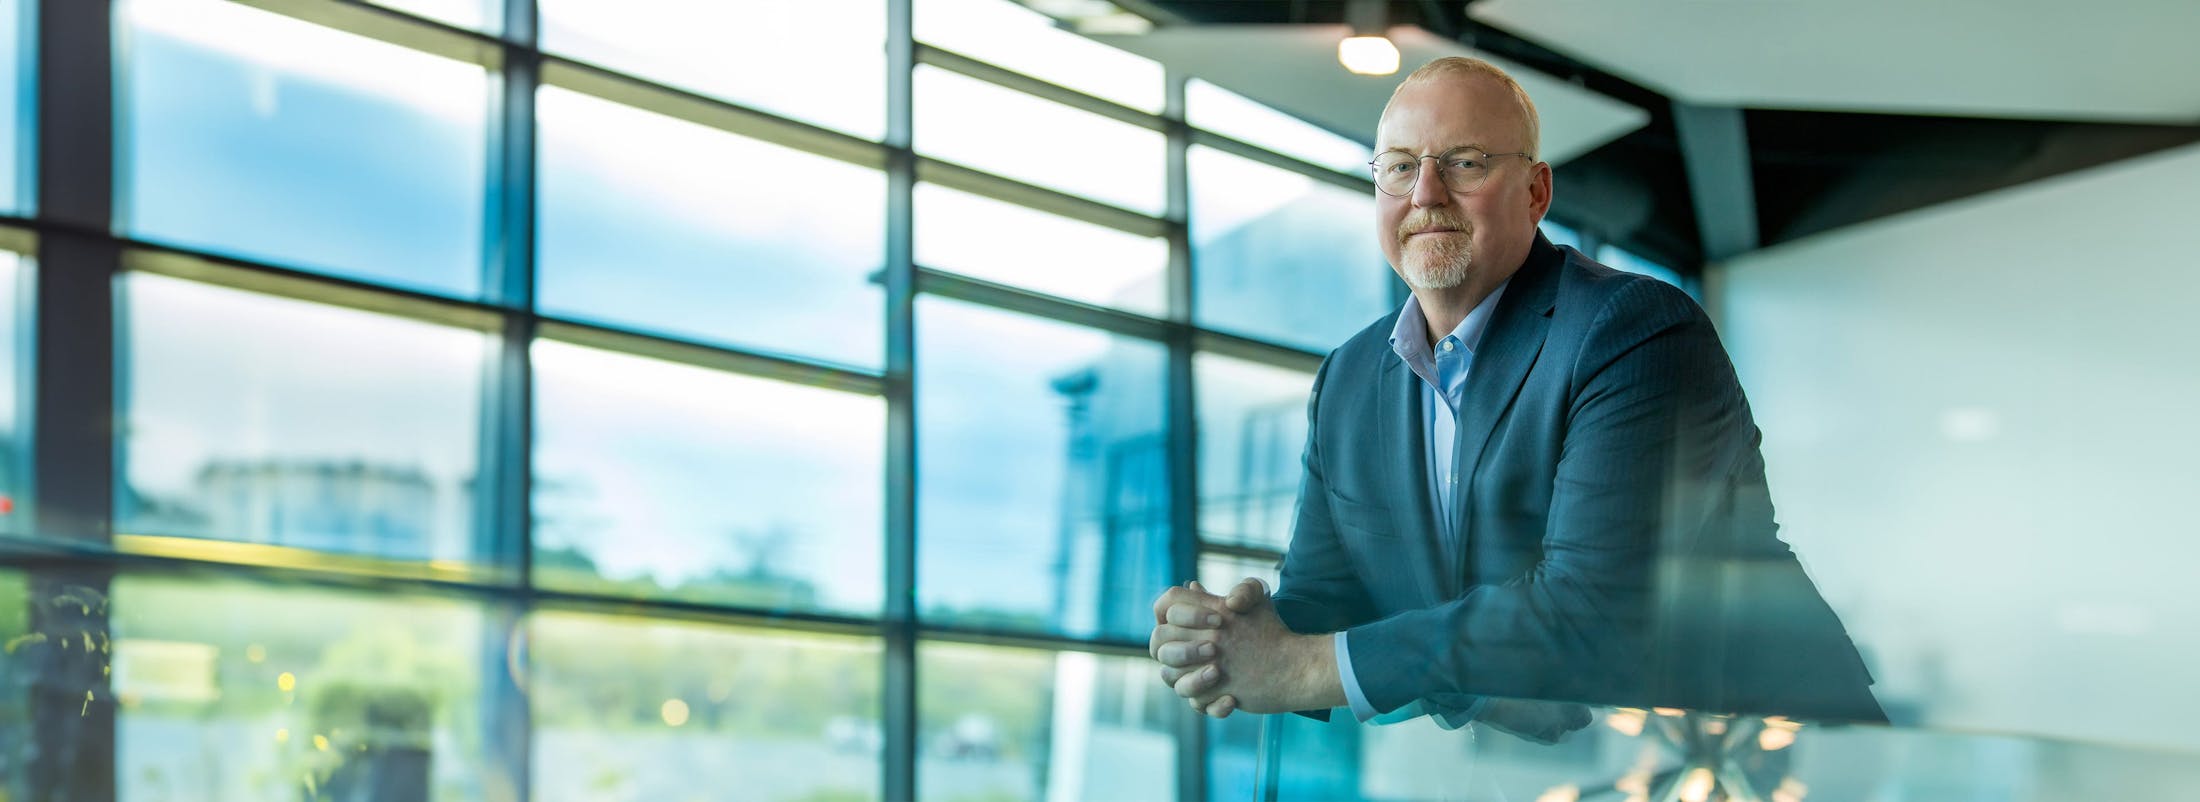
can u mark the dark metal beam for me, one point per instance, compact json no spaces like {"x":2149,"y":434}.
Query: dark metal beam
{"x":73,"y":395}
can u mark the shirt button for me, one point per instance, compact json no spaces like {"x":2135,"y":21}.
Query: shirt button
{"x":1447,"y":345}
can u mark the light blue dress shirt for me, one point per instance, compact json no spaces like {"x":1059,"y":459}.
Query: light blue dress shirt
{"x":1443,"y":371}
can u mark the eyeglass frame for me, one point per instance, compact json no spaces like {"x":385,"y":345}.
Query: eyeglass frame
{"x":1373,"y":169}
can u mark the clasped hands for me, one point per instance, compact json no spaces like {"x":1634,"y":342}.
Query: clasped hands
{"x":1231,"y":652}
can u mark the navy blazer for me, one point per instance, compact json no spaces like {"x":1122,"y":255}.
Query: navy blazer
{"x":1619,"y":545}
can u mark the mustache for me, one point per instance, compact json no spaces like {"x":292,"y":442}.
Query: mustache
{"x":1427,"y":219}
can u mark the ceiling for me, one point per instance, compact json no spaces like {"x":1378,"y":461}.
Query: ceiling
{"x":1852,"y":110}
{"x":1268,"y":63}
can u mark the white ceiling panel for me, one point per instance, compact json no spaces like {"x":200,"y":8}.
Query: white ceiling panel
{"x":1294,"y":68}
{"x":2104,"y":60}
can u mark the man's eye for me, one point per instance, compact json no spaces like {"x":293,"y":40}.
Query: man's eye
{"x":1466,"y":164}
{"x":1399,"y":167}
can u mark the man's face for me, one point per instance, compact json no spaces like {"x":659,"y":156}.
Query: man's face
{"x":1437,"y":238}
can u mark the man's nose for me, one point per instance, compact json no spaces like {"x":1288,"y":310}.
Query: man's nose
{"x":1428,"y":188}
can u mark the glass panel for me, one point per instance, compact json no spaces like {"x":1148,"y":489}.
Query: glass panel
{"x":15,"y":371}
{"x":258,"y":135}
{"x":1233,"y":115}
{"x":1561,"y":235}
{"x":654,"y":222}
{"x":14,"y":53}
{"x":626,"y":708}
{"x":1619,"y":258}
{"x":269,"y":420}
{"x":1019,"y":136}
{"x":1281,"y":256}
{"x":664,"y":480}
{"x":744,"y":52}
{"x":1001,"y":724}
{"x":1009,"y":244}
{"x":1252,"y":435}
{"x":238,"y":691}
{"x":1044,"y":500}
{"x":1006,"y":34}
{"x":16,"y":683}
{"x":479,"y":15}
{"x":1631,"y":754}
{"x":1220,"y":572}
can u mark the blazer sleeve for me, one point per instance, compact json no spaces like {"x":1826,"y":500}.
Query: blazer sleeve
{"x":1655,"y":422}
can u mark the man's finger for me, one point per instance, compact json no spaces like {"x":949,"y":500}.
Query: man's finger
{"x":1169,"y":675}
{"x":1248,"y":595}
{"x":1168,"y":633}
{"x":1193,"y":595}
{"x":1223,"y":707}
{"x":1185,"y":653}
{"x":1199,"y":684}
{"x":1193,"y":615}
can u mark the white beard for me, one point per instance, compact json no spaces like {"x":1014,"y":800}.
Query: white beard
{"x":1438,"y":265}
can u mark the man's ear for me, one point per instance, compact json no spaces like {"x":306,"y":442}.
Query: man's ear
{"x":1539,"y":189}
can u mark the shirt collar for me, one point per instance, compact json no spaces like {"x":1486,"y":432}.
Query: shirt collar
{"x":1409,"y":338}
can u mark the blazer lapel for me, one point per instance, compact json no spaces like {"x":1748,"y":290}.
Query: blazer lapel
{"x":1405,"y":471}
{"x":1508,"y":349}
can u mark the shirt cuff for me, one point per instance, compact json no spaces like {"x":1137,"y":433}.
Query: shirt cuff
{"x":1360,"y":706}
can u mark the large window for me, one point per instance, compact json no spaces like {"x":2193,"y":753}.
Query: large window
{"x":669,"y":226}
{"x":818,"y":61}
{"x":284,"y":422}
{"x":663,"y":480}
{"x":13,"y":55}
{"x":1283,"y":256}
{"x":251,"y":692}
{"x":1009,"y":244}
{"x":999,"y":130}
{"x":1044,"y":501}
{"x":630,"y":708}
{"x":248,"y":133}
{"x":15,"y":458}
{"x":416,"y":497}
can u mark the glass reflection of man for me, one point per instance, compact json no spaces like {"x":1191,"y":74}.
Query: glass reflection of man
{"x":1537,"y":480}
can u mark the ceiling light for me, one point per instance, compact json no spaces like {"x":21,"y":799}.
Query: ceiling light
{"x":1368,"y":55}
{"x":1367,"y":51}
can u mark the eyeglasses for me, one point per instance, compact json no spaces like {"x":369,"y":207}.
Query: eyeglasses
{"x":1463,"y":170}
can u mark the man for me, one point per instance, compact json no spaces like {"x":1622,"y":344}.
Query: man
{"x":1537,"y":480}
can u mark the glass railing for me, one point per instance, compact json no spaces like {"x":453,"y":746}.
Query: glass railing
{"x":1666,"y":754}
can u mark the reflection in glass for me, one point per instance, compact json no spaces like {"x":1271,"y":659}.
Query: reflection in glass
{"x":998,"y":724}
{"x":1015,"y":135}
{"x":1005,"y":34}
{"x":1238,"y":117}
{"x":627,"y":708}
{"x":1019,"y":246}
{"x":1044,"y":500}
{"x":819,"y":61}
{"x":15,"y":389}
{"x":662,"y":480}
{"x":263,"y":136}
{"x":269,"y":420}
{"x":479,"y":15}
{"x":14,"y":195}
{"x":1620,"y":258}
{"x":1280,"y":256}
{"x":1252,"y":431}
{"x":658,"y":223}
{"x":236,"y":691}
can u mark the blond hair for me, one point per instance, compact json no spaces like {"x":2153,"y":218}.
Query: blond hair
{"x":1450,"y":66}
